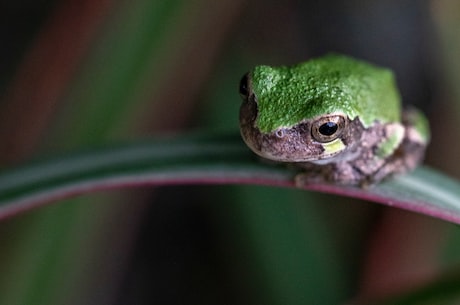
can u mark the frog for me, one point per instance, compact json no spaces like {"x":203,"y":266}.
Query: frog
{"x":335,"y":119}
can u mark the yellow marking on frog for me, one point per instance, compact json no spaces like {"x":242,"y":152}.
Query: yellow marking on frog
{"x":334,"y":146}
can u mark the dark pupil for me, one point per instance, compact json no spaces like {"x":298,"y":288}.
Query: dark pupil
{"x":244,"y":85}
{"x":328,"y":129}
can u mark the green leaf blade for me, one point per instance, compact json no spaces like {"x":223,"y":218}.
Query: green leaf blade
{"x":203,"y":160}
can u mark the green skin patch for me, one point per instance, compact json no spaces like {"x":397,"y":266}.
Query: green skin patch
{"x":331,"y":84}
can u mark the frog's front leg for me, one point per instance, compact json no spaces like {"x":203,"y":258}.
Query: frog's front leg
{"x":410,"y":152}
{"x":405,"y":157}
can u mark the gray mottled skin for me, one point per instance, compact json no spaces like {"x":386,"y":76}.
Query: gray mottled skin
{"x":360,"y":167}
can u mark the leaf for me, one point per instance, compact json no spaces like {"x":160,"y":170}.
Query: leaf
{"x":199,"y":160}
{"x":425,"y":191}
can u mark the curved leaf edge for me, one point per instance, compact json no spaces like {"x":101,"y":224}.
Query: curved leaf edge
{"x":202,"y":159}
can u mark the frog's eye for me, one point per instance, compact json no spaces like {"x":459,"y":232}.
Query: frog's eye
{"x":328,"y":128}
{"x":245,"y":90}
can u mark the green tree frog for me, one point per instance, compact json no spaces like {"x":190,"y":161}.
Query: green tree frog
{"x":336,"y":118}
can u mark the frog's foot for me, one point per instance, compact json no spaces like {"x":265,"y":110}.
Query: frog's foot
{"x":303,"y":179}
{"x":343,"y":175}
{"x":312,"y":174}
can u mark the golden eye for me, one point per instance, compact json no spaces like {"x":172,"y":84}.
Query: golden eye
{"x":328,"y":128}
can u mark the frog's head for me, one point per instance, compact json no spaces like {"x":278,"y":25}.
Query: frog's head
{"x":322,"y":139}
